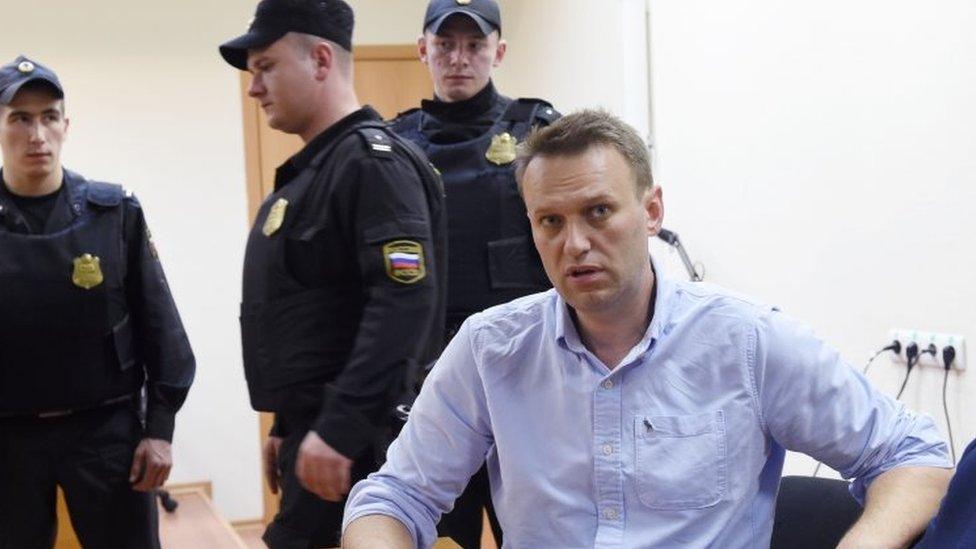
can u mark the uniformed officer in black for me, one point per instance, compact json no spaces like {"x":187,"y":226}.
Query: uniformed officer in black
{"x":470,"y":131}
{"x":344,"y":269}
{"x":87,"y":324}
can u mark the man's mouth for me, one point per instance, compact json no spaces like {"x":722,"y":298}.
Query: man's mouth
{"x":582,"y":271}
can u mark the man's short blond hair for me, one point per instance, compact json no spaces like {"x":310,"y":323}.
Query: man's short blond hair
{"x":577,"y":132}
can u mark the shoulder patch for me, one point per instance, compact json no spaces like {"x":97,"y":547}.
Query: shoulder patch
{"x":377,"y":141}
{"x":404,"y":261}
{"x":105,"y":194}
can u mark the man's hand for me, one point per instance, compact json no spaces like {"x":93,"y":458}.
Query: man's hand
{"x":151,"y":464}
{"x":321,"y":470}
{"x":269,"y":453}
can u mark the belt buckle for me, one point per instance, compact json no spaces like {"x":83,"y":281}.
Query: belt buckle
{"x":55,"y":413}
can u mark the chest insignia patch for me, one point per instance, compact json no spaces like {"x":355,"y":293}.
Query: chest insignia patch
{"x":87,"y":272}
{"x":276,"y":216}
{"x":502,"y":149}
{"x":404,"y":261}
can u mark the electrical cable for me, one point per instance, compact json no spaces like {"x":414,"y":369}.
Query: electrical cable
{"x":948,"y":356}
{"x":895,"y":347}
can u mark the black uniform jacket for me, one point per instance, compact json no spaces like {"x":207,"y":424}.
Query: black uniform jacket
{"x":133,"y":316}
{"x":472,"y":142}
{"x":344,"y":281}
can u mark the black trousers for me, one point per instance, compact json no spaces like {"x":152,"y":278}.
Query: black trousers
{"x":304,"y":520}
{"x":88,"y":454}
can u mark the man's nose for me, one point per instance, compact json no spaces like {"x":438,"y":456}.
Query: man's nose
{"x":35,"y":132}
{"x":457,"y":56}
{"x":256,"y":88}
{"x":577,"y":239}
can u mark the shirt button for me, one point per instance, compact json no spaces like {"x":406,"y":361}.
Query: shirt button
{"x":610,"y":513}
{"x":608,"y":384}
{"x":607,"y":449}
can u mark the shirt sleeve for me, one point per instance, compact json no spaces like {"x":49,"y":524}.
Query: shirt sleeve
{"x":813,"y":402}
{"x":160,"y":339}
{"x":389,"y":225}
{"x":443,"y":443}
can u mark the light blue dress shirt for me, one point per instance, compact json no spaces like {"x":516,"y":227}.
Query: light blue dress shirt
{"x":681,"y":445}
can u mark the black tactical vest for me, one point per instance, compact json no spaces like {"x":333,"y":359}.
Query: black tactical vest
{"x":61,"y":346}
{"x":492,"y":258}
{"x":292,"y":335}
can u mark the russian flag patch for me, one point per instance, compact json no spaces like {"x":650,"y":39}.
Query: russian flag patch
{"x":404,"y":261}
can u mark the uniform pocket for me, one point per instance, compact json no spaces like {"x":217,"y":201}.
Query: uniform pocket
{"x":681,"y":460}
{"x":513,"y":264}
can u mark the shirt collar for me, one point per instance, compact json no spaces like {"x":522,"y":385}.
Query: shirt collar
{"x":664,"y":289}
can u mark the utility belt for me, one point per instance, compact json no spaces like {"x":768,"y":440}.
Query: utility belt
{"x":51,"y":414}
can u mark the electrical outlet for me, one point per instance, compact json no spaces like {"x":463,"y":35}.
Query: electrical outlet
{"x":923,"y":340}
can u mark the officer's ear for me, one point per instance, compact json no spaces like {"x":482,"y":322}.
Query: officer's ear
{"x":500,"y":52}
{"x":324,"y":56}
{"x":422,"y":48}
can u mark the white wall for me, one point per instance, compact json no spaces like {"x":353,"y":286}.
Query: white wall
{"x":819,"y":155}
{"x":154,"y":107}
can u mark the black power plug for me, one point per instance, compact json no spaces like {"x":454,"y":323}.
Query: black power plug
{"x":948,"y":356}
{"x":912,"y":354}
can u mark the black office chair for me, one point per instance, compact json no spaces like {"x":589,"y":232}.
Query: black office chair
{"x":812,"y":513}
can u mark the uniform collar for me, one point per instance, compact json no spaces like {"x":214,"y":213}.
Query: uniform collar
{"x":467,"y":109}
{"x":66,"y":209}
{"x":301,"y":160}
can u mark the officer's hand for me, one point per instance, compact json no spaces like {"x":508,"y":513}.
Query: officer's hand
{"x":150,"y":464}
{"x":270,"y":454}
{"x":321,"y":470}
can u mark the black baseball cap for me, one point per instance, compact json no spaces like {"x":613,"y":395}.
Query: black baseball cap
{"x":22,"y":70}
{"x":329,"y":19}
{"x":484,"y":12}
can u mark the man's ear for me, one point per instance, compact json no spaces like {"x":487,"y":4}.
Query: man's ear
{"x":422,"y":53}
{"x":324,"y":58}
{"x":653,"y":202}
{"x":500,"y":52}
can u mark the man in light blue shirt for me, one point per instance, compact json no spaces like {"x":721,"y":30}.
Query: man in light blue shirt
{"x":623,"y":409}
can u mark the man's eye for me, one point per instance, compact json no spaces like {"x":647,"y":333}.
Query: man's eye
{"x":549,"y":221}
{"x":600,"y":212}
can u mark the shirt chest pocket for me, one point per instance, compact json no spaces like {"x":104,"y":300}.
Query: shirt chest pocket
{"x":681,"y":460}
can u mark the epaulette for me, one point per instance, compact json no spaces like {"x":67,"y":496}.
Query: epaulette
{"x":377,"y":141}
{"x":107,"y":195}
{"x":525,"y":109}
{"x":405,"y":113}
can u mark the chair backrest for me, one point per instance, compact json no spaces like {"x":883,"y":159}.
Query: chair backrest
{"x":812,"y":513}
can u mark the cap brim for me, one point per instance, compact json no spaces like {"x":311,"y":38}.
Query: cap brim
{"x":10,"y":91}
{"x":483,"y":24}
{"x":235,"y":51}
